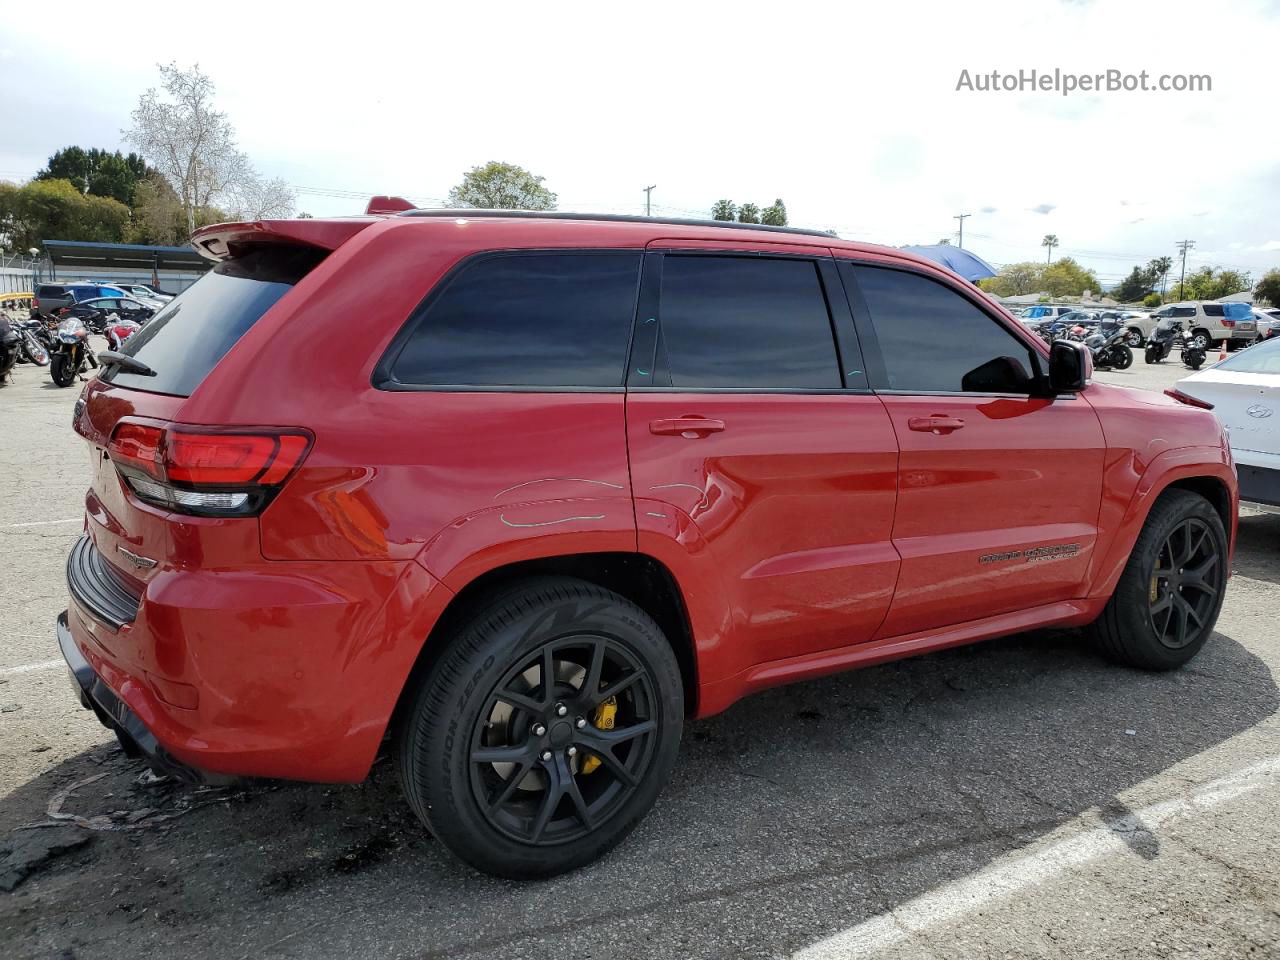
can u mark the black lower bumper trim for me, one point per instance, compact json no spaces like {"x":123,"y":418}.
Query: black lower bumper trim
{"x":1258,"y":484}
{"x":116,"y":716}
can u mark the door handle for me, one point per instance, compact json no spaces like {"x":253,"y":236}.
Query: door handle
{"x":936,"y":424}
{"x":691,"y":428}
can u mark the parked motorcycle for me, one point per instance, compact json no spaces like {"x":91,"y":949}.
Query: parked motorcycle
{"x":10,"y":347}
{"x":1167,"y":335}
{"x":1108,"y":346}
{"x":71,"y":352}
{"x":118,"y":331}
{"x":36,"y":342}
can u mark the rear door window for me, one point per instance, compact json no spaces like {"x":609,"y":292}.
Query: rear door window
{"x":524,"y":320}
{"x":186,"y":339}
{"x":745,"y":323}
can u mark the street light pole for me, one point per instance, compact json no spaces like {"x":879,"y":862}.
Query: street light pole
{"x":960,"y":217}
{"x":647,"y":192}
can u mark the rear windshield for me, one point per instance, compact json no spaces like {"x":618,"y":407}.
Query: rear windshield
{"x":186,"y":339}
{"x":1263,"y":358}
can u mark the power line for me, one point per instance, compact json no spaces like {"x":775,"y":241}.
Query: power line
{"x":960,"y":217}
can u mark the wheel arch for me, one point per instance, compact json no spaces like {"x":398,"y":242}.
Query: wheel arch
{"x":1205,"y":471}
{"x":640,"y":578}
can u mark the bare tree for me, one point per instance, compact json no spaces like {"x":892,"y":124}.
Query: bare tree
{"x":256,"y":198}
{"x":194,"y":147}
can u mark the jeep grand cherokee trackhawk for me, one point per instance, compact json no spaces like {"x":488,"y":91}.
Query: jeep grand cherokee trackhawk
{"x":524,"y":492}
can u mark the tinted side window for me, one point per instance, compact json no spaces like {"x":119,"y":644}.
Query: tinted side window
{"x":553,"y":320}
{"x":1182,"y":312}
{"x":746,"y":322}
{"x":934,"y":340}
{"x":1214,"y":310}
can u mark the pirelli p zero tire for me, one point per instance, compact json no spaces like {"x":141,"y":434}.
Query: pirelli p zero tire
{"x":1169,"y":596}
{"x":544,"y":731}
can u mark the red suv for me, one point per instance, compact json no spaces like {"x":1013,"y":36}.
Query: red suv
{"x":520,"y":493}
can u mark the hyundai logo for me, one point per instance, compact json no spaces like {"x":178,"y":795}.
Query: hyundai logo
{"x":1259,"y":412}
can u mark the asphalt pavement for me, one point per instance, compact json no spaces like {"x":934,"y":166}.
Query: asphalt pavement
{"x":1018,"y":798}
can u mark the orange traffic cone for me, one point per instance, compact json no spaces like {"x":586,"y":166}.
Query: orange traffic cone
{"x":1222,"y":354}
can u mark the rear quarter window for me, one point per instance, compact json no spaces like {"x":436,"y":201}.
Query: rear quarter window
{"x":521,"y":320}
{"x":187,"y":338}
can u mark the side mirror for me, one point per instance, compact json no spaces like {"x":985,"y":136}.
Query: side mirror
{"x":1070,"y":366}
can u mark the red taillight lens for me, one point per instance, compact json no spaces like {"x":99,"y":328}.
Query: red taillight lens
{"x":232,"y":459}
{"x":138,"y":445}
{"x":1189,"y":400}
{"x":224,"y":473}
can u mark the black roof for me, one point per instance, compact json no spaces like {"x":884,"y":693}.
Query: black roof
{"x":472,"y":214}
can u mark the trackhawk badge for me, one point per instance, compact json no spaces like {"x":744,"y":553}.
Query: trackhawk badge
{"x":137,"y":559}
{"x":1259,"y":412}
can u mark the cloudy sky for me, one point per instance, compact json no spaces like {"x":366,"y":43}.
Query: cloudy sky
{"x":849,"y":112}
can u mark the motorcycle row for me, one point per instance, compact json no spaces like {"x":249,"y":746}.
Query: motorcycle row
{"x":1108,"y":342}
{"x":60,"y":343}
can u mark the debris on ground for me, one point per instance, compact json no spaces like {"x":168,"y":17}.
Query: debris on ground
{"x":25,"y":851}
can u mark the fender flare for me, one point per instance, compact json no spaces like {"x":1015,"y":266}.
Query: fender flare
{"x":1165,"y":470}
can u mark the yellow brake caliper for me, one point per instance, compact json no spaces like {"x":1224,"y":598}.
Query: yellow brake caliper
{"x":603,"y":720}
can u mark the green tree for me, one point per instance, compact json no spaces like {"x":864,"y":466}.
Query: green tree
{"x":748,"y":213}
{"x":724,"y":210}
{"x":55,"y":210}
{"x":1151,"y":301}
{"x":501,"y":186}
{"x":1016,"y":280}
{"x":1140,"y":282}
{"x":775,"y":215}
{"x":1211,"y":283}
{"x":1066,"y":278}
{"x":1050,"y":240}
{"x":100,"y":172}
{"x":1268,"y":288}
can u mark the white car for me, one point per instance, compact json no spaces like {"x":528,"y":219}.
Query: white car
{"x":1245,"y":392}
{"x":1268,"y":322}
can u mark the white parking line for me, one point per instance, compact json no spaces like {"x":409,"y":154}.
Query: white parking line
{"x":1005,"y":880}
{"x":41,"y":523}
{"x":32,"y":667}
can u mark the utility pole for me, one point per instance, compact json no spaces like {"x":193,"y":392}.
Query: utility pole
{"x":647,"y":191}
{"x":960,"y":217}
{"x":1184,"y":246}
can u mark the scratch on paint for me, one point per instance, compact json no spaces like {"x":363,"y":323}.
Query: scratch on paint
{"x":529,"y":483}
{"x":547,"y":523}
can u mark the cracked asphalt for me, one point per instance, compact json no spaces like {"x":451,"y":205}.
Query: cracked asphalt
{"x":1019,"y":798}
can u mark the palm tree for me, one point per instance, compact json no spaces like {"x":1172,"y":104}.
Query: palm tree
{"x":1161,"y":266}
{"x":1050,"y":240}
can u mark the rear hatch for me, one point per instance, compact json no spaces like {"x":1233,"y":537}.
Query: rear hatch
{"x":1245,"y":392}
{"x":166,"y":494}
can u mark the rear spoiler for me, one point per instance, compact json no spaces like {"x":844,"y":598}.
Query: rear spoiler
{"x":222,"y":241}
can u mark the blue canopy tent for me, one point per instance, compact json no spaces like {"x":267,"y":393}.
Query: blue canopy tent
{"x":969,"y":265}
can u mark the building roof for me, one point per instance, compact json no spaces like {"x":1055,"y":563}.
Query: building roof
{"x":130,"y":256}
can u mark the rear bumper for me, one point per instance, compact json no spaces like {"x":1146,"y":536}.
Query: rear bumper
{"x":275,"y":669}
{"x":116,"y":716}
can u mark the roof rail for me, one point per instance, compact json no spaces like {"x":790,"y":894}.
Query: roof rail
{"x":473,"y":214}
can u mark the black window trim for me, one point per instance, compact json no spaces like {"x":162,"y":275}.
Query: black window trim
{"x":382,"y":378}
{"x":844,"y":338}
{"x":877,"y":374}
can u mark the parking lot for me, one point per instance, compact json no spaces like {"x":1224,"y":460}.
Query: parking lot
{"x":1011,"y":799}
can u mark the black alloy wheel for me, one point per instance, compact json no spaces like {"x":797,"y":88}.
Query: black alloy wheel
{"x":545,"y":728}
{"x":1170,"y":593}
{"x":1185,"y":583}
{"x":565,"y":738}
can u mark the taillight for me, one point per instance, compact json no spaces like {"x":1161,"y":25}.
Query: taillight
{"x":216,"y":473}
{"x":1189,"y":400}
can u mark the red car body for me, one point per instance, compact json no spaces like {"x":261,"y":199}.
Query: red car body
{"x":802,"y":533}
